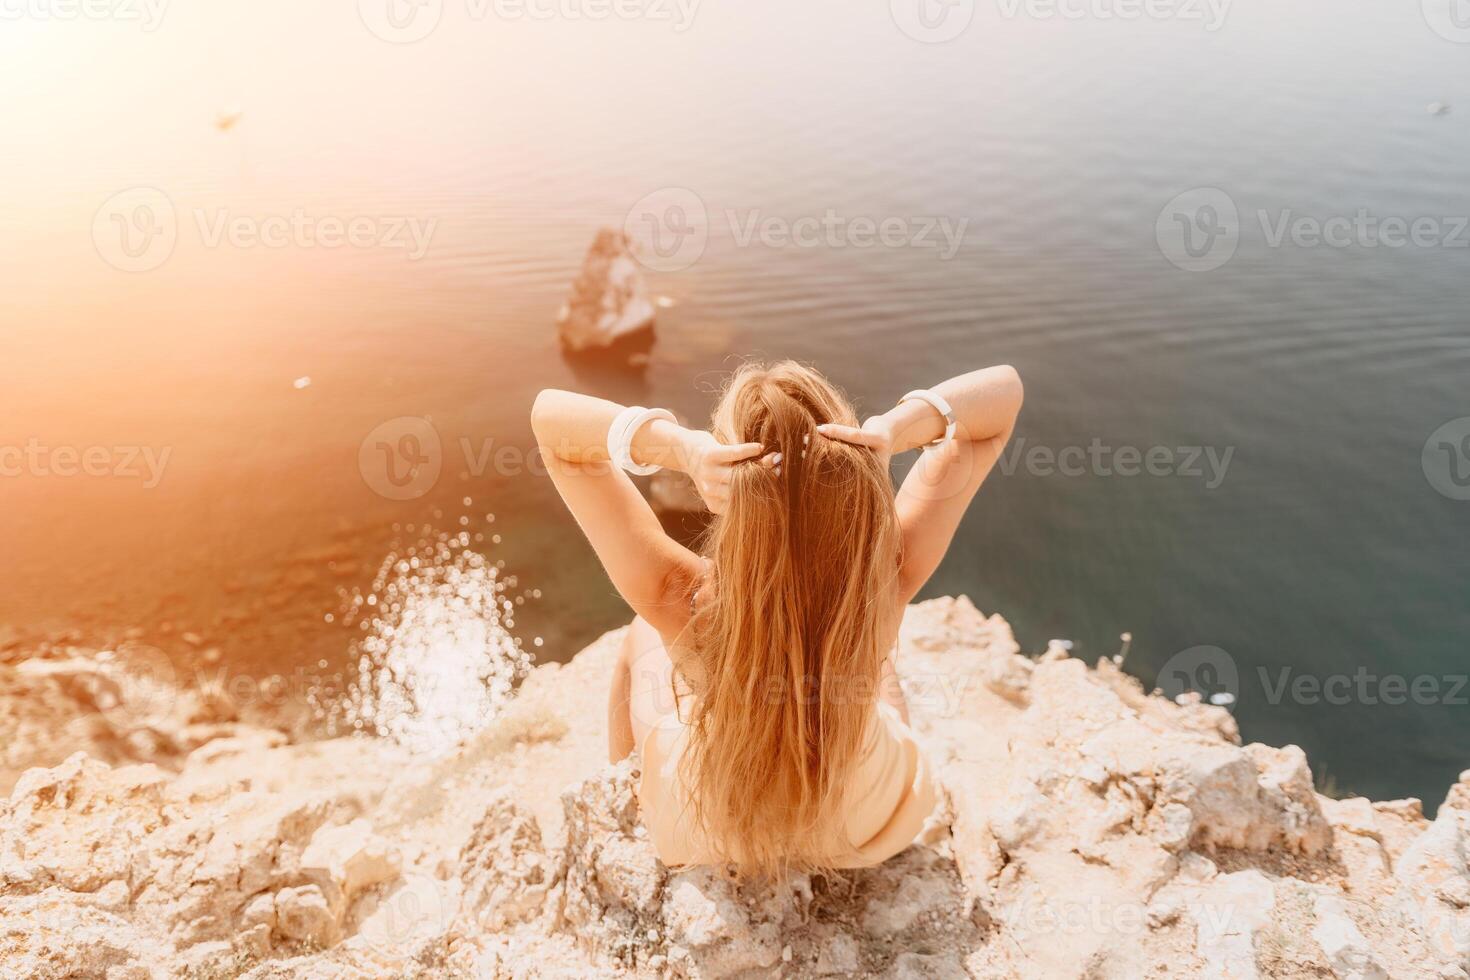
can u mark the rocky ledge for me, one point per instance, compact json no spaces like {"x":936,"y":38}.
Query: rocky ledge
{"x":1089,"y":829}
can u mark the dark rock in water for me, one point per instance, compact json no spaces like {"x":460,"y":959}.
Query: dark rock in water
{"x":678,"y":506}
{"x":609,"y":369}
{"x":609,"y":300}
{"x":672,"y":492}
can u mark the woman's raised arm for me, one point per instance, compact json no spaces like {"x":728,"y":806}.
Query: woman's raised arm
{"x":649,"y":569}
{"x":938,"y":490}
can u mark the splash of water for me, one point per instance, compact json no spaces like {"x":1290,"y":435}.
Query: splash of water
{"x":437,"y":661}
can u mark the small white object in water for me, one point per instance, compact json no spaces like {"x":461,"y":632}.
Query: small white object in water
{"x":664,"y":302}
{"x":1064,"y":644}
{"x":302,"y":382}
{"x":1223,"y":699}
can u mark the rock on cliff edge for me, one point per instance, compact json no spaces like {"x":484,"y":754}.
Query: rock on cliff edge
{"x":1088,"y":829}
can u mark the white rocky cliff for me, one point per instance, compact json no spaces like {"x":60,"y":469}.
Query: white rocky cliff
{"x":1088,"y":830}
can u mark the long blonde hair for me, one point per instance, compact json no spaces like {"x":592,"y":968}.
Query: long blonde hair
{"x":786,"y":643}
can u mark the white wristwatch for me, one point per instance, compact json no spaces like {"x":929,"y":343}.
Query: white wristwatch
{"x":937,"y":402}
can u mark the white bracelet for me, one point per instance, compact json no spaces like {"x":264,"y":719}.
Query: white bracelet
{"x":625,"y":426}
{"x":937,"y":402}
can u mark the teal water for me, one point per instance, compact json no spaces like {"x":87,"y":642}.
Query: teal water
{"x":1312,"y":376}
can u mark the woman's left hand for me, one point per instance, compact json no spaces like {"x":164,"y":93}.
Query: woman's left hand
{"x":711,"y":465}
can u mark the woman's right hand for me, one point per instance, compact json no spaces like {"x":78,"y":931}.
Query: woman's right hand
{"x":876,"y":434}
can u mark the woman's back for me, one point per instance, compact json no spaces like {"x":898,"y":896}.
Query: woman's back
{"x":886,"y":797}
{"x":776,"y":737}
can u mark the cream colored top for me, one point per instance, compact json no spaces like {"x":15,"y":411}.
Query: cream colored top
{"x":889,"y":794}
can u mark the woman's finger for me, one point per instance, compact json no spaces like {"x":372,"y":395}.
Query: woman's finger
{"x":850,"y":434}
{"x":734,"y":454}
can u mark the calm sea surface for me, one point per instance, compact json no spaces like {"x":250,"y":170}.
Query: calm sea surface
{"x":1230,"y":463}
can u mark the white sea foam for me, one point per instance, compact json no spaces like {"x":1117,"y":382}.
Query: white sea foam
{"x":438,"y":659}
